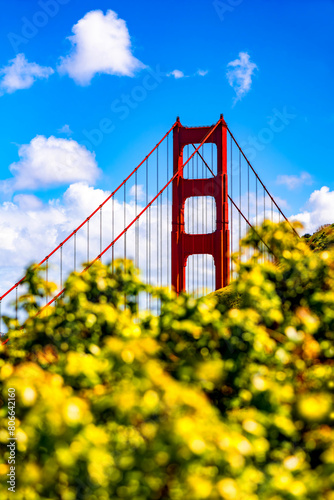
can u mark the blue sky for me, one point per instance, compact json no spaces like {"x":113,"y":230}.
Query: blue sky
{"x":287,"y":48}
{"x":291,"y":42}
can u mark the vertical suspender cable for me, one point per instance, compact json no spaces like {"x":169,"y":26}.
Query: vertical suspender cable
{"x":161,"y":238}
{"x":203,"y":222}
{"x":136,"y":232}
{"x":101,"y":233}
{"x":157,"y":218}
{"x":136,"y":224}
{"x":75,"y":251}
{"x":231,"y":207}
{"x":248,"y":204}
{"x":248,"y":192}
{"x":240,"y":204}
{"x":88,"y":240}
{"x":167,"y":209}
{"x":125,"y":235}
{"x":149,"y":250}
{"x":197,"y":229}
{"x":61,"y":267}
{"x":113,"y":233}
{"x":124,"y":220}
{"x":16,"y":302}
{"x":193,"y":229}
{"x":146,"y":233}
{"x":256,"y":199}
{"x":204,"y":225}
{"x":47,"y":278}
{"x":264,"y":218}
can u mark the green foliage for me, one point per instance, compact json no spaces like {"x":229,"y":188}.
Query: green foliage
{"x":196,"y":403}
{"x":227,"y":298}
{"x":322,"y":239}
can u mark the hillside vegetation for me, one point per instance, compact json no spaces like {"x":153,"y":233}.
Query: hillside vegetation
{"x":322,"y":239}
{"x":233,"y":403}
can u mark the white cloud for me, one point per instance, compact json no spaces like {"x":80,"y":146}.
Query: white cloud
{"x":282,"y":203}
{"x":100,"y":44}
{"x":240,"y":74}
{"x":28,"y":202}
{"x":138,"y":191}
{"x":176,"y":73}
{"x":48,"y":162}
{"x":21,"y":74}
{"x":320,"y":210}
{"x":295,"y":181}
{"x":202,"y":72}
{"x":38,"y":227}
{"x":65,"y":129}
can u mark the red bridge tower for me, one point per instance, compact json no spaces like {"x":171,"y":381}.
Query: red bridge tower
{"x":216,"y":243}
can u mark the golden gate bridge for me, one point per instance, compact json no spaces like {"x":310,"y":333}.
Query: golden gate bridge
{"x":179,"y":215}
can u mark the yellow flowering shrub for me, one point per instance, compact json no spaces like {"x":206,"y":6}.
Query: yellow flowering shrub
{"x":200,"y":402}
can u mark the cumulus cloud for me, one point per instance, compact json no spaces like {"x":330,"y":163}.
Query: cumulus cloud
{"x":295,"y":181}
{"x":49,"y":162}
{"x":138,"y":192}
{"x":239,"y":75}
{"x":319,"y":210}
{"x":100,"y":44}
{"x":202,"y":72}
{"x":36,"y":226}
{"x":176,"y":73}
{"x":65,"y":129}
{"x":21,"y":74}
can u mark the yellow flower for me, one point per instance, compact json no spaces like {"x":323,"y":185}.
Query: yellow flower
{"x":292,"y":462}
{"x":197,"y":445}
{"x":74,"y":410}
{"x":201,"y":487}
{"x":315,"y":407}
{"x":29,"y":396}
{"x":228,"y":489}
{"x":4,"y":468}
{"x":6,"y":371}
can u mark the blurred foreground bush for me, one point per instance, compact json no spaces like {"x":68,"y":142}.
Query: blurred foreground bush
{"x":197,"y":403}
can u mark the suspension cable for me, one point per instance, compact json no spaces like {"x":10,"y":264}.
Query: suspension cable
{"x":258,"y":178}
{"x":101,"y":229}
{"x":111,"y":196}
{"x":75,"y":251}
{"x":148,"y":206}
